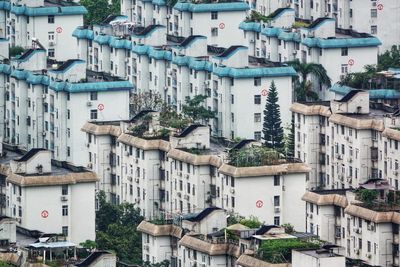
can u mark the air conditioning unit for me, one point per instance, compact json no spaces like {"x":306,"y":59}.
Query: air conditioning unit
{"x":44,"y":96}
{"x":19,"y":199}
{"x":295,"y":52}
{"x":368,"y":255}
{"x":136,"y":180}
{"x":137,"y":200}
{"x":310,"y":216}
{"x":206,"y":82}
{"x":137,"y":160}
{"x":170,"y":72}
{"x":350,"y":160}
{"x":186,"y":197}
{"x":179,"y":174}
{"x":52,"y":43}
{"x":9,"y":21}
{"x":349,"y":179}
{"x":357,"y":230}
{"x":252,"y":41}
{"x":338,"y":156}
{"x":89,"y":103}
{"x":187,"y":176}
{"x":179,"y":194}
{"x":165,"y":88}
{"x":370,"y":227}
{"x":6,"y":121}
{"x":43,"y":133}
{"x":126,"y":153}
{"x":87,"y":144}
{"x":232,"y":190}
{"x":90,"y":165}
{"x":395,"y":173}
{"x":277,"y":209}
{"x":7,"y":85}
{"x":64,"y":198}
{"x":373,"y":3}
{"x":127,"y":59}
{"x":146,"y":247}
{"x":129,"y":178}
{"x":356,"y":251}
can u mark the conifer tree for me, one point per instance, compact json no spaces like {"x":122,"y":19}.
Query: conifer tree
{"x":272,"y":128}
{"x":290,"y":141}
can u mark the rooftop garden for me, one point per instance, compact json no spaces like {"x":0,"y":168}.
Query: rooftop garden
{"x":257,"y":17}
{"x":254,"y":156}
{"x":374,"y":200}
{"x":300,"y":24}
{"x":280,"y":250}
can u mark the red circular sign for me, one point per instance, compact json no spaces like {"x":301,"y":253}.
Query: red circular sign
{"x":351,"y":62}
{"x":59,"y":30}
{"x":222,"y":25}
{"x":264,"y":92}
{"x":259,"y":203}
{"x":100,"y":107}
{"x":44,"y":214}
{"x":380,"y":7}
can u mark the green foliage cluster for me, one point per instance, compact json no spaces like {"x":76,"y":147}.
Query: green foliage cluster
{"x":258,"y":17}
{"x":304,"y":88}
{"x":253,"y":156}
{"x":252,"y":222}
{"x":195,"y":110}
{"x":389,"y":59}
{"x":393,"y":198}
{"x":300,"y":24}
{"x":164,"y":263}
{"x":15,"y":51}
{"x":98,"y":10}
{"x":116,"y":230}
{"x":5,"y":264}
{"x":280,"y":250}
{"x":367,"y":196}
{"x":272,"y":126}
{"x":289,"y":229}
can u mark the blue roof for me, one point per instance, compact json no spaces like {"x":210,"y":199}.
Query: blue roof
{"x":220,"y":7}
{"x":68,"y":65}
{"x":46,"y":11}
{"x":151,"y":29}
{"x":90,"y":87}
{"x":230,"y":51}
{"x":5,"y":5}
{"x":341,"y":42}
{"x":28,"y":54}
{"x":373,"y":93}
{"x":254,"y":72}
{"x":192,"y":63}
{"x":5,"y":69}
{"x":103,"y":39}
{"x":82,"y":33}
{"x":120,"y":43}
{"x":152,"y":52}
{"x":250,"y":26}
{"x":159,"y":2}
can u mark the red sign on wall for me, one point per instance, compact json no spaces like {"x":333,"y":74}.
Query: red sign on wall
{"x":44,"y":214}
{"x":259,"y":203}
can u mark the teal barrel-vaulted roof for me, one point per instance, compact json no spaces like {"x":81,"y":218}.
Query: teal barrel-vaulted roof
{"x":341,"y":42}
{"x":152,"y":52}
{"x":254,"y":72}
{"x":91,"y":86}
{"x":219,"y":7}
{"x":373,"y":93}
{"x":82,"y":33}
{"x":46,"y":11}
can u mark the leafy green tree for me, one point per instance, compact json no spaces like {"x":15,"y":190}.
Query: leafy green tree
{"x":252,"y":222}
{"x":194,"y":109}
{"x":98,"y":10}
{"x":367,"y":196}
{"x":304,"y":87}
{"x":5,"y":264}
{"x":89,"y":244}
{"x":272,"y":128}
{"x":116,"y":230}
{"x":389,"y":59}
{"x":16,"y":51}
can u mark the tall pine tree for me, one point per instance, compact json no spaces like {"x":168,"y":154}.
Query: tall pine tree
{"x":290,"y":141}
{"x":272,"y":128}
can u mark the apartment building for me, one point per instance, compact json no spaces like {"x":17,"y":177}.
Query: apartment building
{"x":69,"y":191}
{"x":201,"y":239}
{"x":379,"y":18}
{"x":46,"y":103}
{"x":348,"y":141}
{"x":186,"y":172}
{"x":339,"y":51}
{"x":369,"y":234}
{"x":189,"y":68}
{"x":48,"y":22}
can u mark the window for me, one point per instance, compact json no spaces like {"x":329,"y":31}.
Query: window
{"x":277,"y":220}
{"x":277,"y":180}
{"x":51,"y":52}
{"x":93,"y":114}
{"x":51,"y":36}
{"x":345,"y":51}
{"x":65,"y":230}
{"x":276,"y":201}
{"x":64,"y":190}
{"x":257,"y":99}
{"x":93,"y":96}
{"x":257,"y":117}
{"x":374,"y":29}
{"x":65,"y":210}
{"x":214,"y":15}
{"x":257,"y":136}
{"x":214,"y":31}
{"x":257,"y":81}
{"x":50,"y":19}
{"x":374,"y":13}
